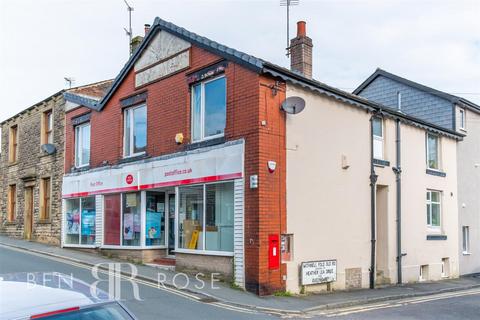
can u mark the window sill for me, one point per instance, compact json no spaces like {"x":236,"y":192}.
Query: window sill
{"x":10,"y":223}
{"x":11,"y":164}
{"x":44,"y":221}
{"x":80,"y":169}
{"x":205,"y":143}
{"x":133,"y":158}
{"x":436,"y":237}
{"x":437,"y":173}
{"x":381,"y":163}
{"x":467,"y":253}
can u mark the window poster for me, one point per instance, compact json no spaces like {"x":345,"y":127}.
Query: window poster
{"x":128,"y":226}
{"x":153,"y":224}
{"x":131,"y":200}
{"x":73,"y":221}
{"x":136,"y":223}
{"x":88,"y":222}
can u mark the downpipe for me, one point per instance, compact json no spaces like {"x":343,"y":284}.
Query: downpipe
{"x":398,"y":175}
{"x":373,"y":182}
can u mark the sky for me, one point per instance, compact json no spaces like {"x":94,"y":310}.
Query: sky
{"x":436,"y":43}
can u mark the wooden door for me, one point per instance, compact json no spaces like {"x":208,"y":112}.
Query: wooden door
{"x":28,"y":215}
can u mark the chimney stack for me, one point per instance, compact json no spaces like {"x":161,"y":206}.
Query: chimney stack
{"x":147,"y":29}
{"x":301,"y":51}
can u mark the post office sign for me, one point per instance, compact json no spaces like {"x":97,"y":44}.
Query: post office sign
{"x":315,"y":272}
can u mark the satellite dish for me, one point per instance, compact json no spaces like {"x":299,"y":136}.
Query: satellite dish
{"x":48,"y":148}
{"x":293,"y":105}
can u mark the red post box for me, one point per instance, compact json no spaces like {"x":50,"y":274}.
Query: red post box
{"x":273,"y":251}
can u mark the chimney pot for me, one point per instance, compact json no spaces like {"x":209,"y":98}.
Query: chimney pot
{"x":147,"y":28}
{"x":301,"y":29}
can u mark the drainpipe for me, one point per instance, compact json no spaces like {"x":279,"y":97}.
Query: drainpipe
{"x":398,"y":174}
{"x":373,"y":181}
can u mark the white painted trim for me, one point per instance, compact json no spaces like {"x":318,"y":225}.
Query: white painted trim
{"x":110,"y":246}
{"x":205,"y":252}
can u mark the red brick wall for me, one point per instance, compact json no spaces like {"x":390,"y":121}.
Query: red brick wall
{"x":249,"y":101}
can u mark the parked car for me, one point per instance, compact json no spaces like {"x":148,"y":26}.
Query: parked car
{"x":39,"y":295}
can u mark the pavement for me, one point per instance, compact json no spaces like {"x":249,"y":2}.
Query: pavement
{"x":203,"y":290}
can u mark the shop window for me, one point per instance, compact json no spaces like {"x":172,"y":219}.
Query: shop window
{"x":82,"y":145}
{"x":214,"y":230}
{"x":111,"y":223}
{"x":219,"y":217}
{"x":155,"y":219}
{"x":209,"y":109}
{"x":47,"y":127}
{"x":190,"y":217}
{"x":80,"y":221}
{"x":135,"y":131}
{"x":433,"y":158}
{"x":45,"y":195}
{"x":378,"y":139}
{"x":12,"y":202}
{"x":433,"y":209}
{"x":131,"y":205}
{"x":13,"y":144}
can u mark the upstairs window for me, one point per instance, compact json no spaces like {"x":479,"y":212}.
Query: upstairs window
{"x":13,"y":144}
{"x":433,"y":209}
{"x":209,"y":109}
{"x":82,"y":145}
{"x":47,"y":127}
{"x":461,"y":120}
{"x":378,"y":140}
{"x":135,"y":133}
{"x":433,"y":147}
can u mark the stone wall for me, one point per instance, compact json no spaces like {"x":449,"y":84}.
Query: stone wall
{"x":31,"y":166}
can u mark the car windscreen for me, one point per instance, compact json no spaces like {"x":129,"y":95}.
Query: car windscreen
{"x":111,"y":311}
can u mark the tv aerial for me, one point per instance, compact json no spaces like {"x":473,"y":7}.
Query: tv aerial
{"x":288,"y":4}
{"x":129,"y":31}
{"x":70,"y":81}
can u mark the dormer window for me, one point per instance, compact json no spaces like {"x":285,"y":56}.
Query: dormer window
{"x":461,"y":119}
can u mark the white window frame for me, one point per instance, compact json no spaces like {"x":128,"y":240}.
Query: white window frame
{"x":439,"y":160}
{"x":202,"y":109}
{"x":466,"y":240}
{"x":78,"y":141}
{"x":129,"y":111}
{"x":431,"y":227}
{"x":380,"y":139}
{"x":463,"y":119}
{"x":177,"y":214}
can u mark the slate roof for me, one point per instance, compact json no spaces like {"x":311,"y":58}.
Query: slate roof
{"x":449,"y":97}
{"x":260,"y":66}
{"x":88,"y":95}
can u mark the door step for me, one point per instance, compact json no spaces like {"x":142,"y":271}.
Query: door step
{"x":163,"y":263}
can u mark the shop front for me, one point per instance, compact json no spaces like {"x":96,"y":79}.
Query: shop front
{"x":187,"y":206}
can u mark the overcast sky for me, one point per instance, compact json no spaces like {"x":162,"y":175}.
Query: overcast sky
{"x":433,"y":42}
